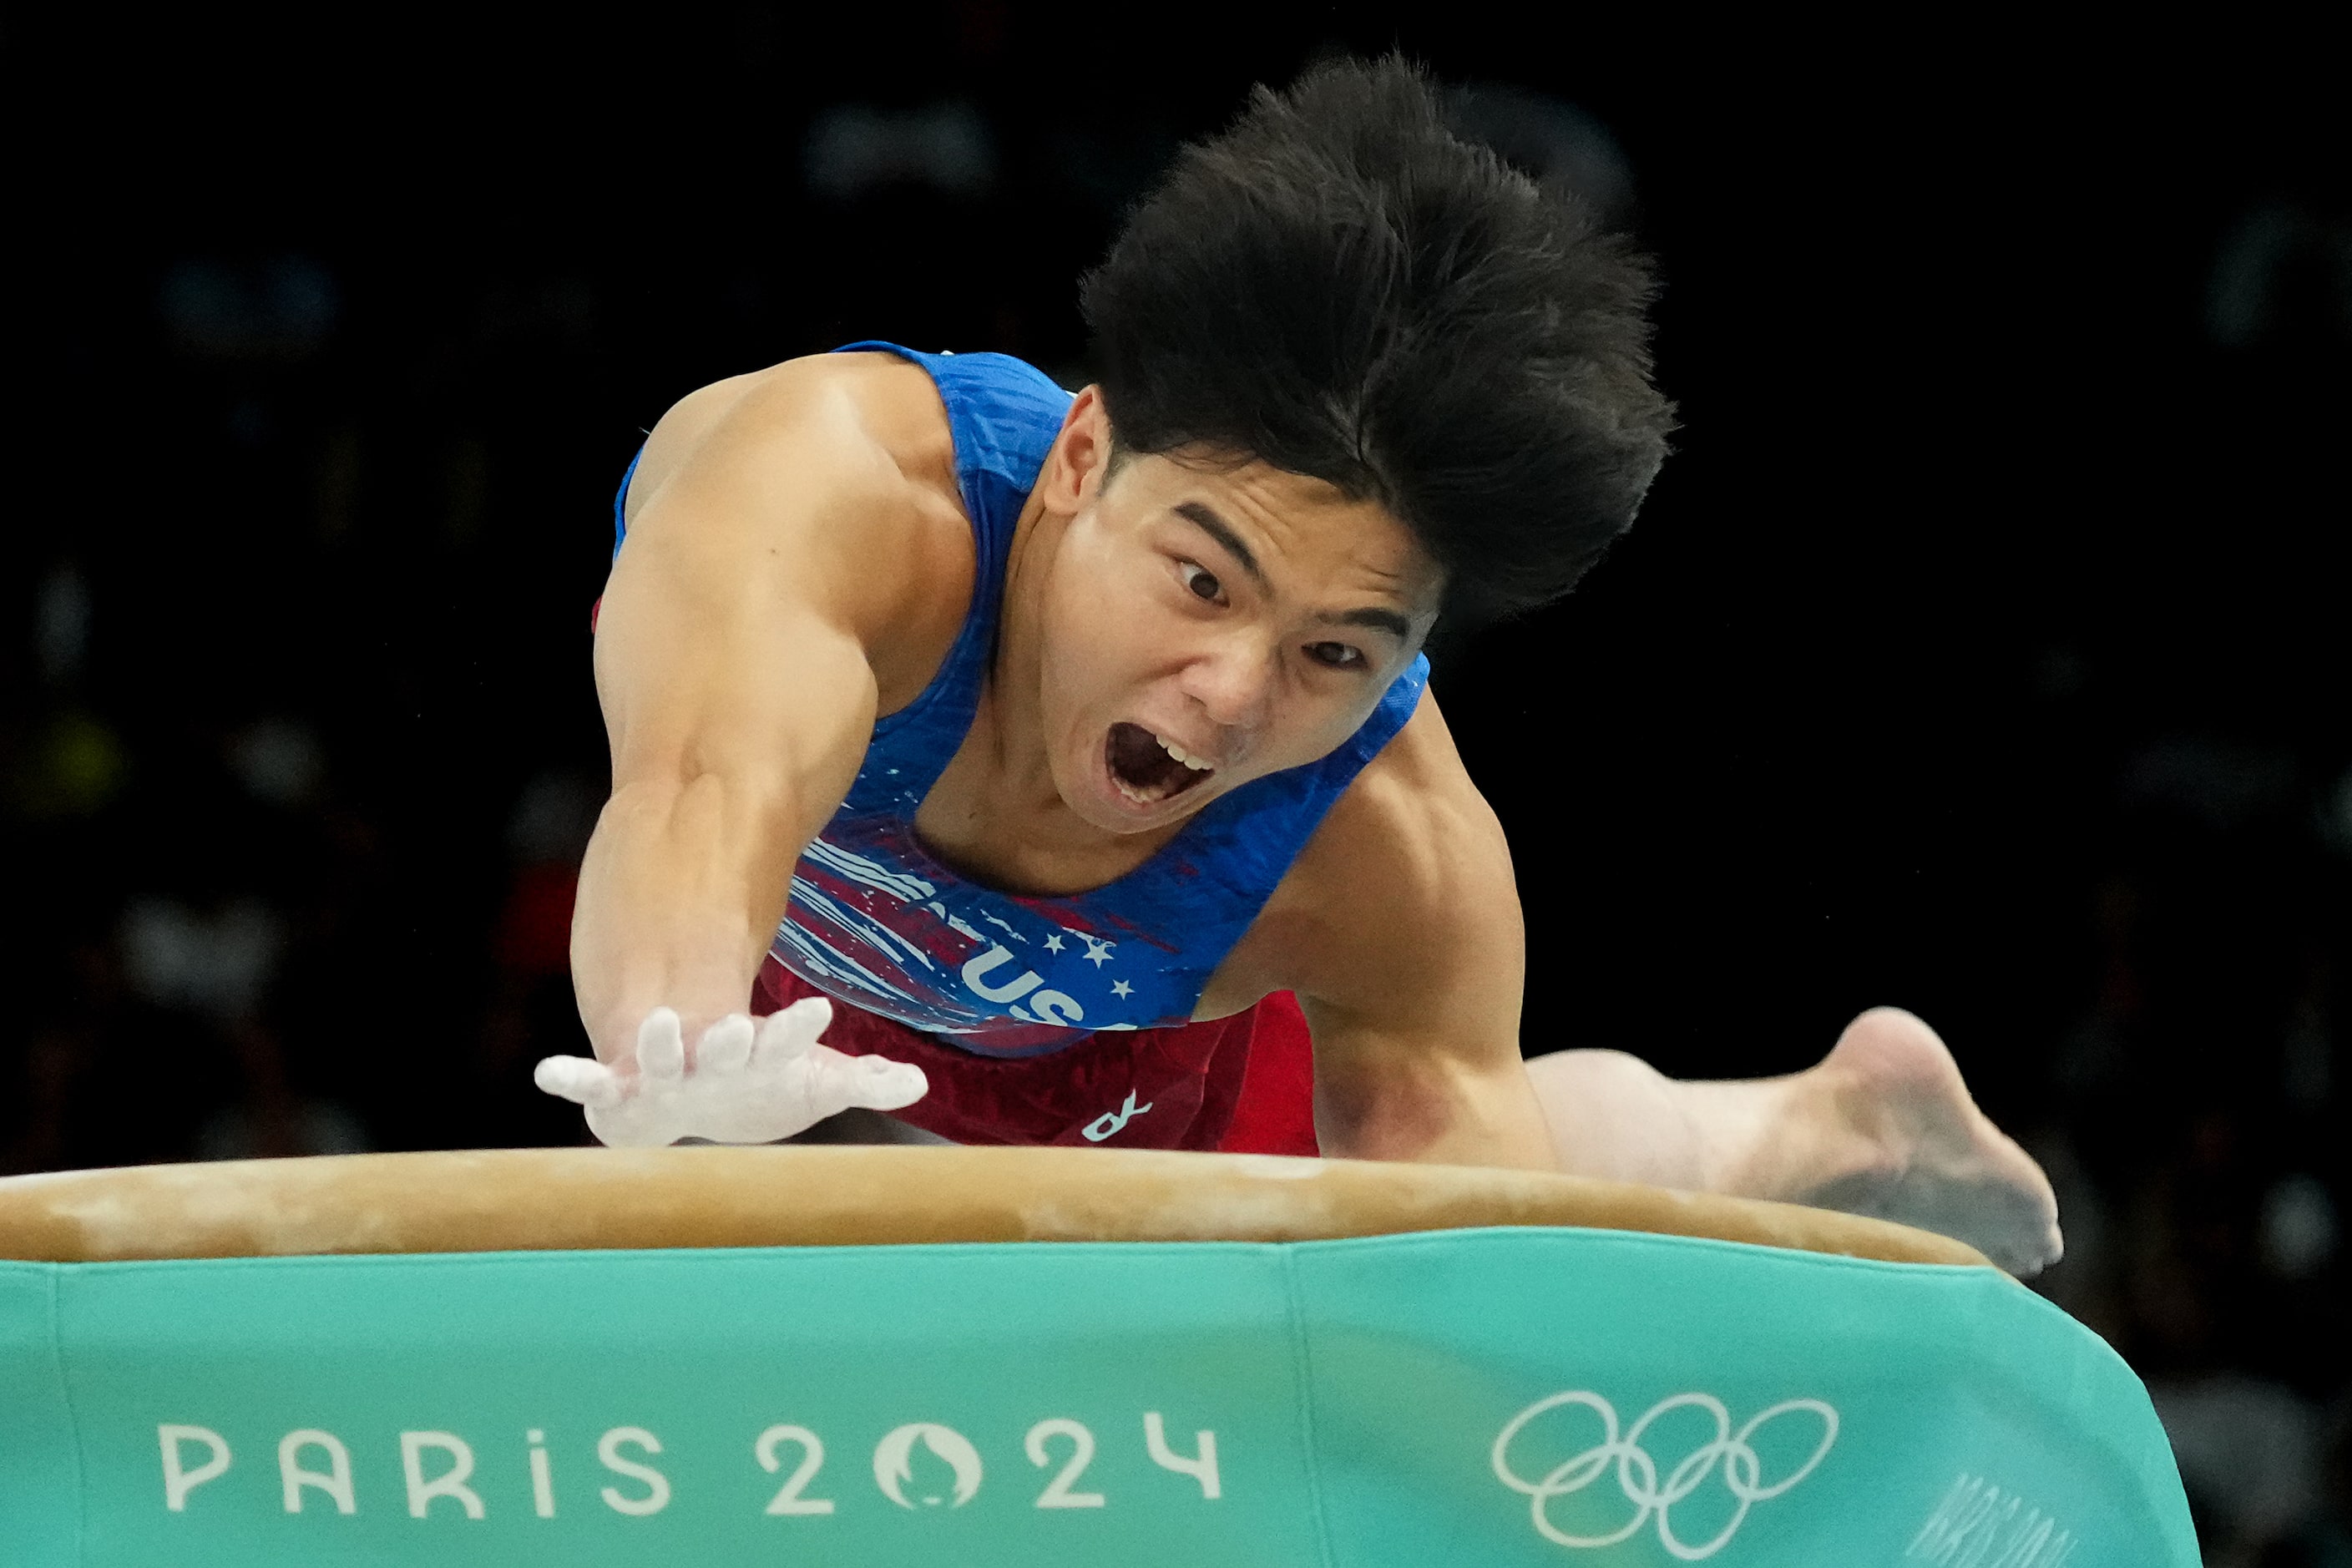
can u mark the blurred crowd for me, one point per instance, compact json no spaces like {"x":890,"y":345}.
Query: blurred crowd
{"x":302,"y":751}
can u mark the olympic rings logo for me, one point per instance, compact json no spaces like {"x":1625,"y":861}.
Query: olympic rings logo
{"x":1637,"y":1472}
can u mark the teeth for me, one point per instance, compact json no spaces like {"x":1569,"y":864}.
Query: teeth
{"x":1197,"y":764}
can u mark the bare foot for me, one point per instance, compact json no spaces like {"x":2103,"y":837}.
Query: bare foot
{"x":1893,"y":1133}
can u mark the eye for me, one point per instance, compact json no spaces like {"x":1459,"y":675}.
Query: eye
{"x":1335,"y":655}
{"x":1202,"y":585}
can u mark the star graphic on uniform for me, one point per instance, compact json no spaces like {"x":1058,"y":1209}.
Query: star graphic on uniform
{"x":1053,"y":944}
{"x":1121,"y":988}
{"x":1098,"y":952}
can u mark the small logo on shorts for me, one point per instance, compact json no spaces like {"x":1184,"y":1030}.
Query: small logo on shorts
{"x":1110,"y":1121}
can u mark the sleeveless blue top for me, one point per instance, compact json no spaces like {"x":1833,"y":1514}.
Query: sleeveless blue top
{"x":877,"y":922}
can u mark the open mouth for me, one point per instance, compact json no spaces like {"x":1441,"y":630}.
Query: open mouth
{"x":1148,"y":769}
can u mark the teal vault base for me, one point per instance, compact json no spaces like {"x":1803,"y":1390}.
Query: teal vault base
{"x":965,"y":1406}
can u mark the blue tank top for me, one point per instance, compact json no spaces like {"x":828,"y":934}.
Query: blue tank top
{"x":877,"y":922}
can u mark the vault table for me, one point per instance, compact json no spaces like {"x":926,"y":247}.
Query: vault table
{"x":975,"y":1357}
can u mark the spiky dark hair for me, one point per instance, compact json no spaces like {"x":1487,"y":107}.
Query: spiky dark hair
{"x":1340,"y":284}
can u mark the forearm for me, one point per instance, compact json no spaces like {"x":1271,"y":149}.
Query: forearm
{"x":679,"y":896}
{"x":683,"y":886}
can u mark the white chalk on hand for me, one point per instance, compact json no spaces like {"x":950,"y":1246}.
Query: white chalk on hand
{"x":748,"y":1081}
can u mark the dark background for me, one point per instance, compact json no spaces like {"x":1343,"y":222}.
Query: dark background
{"x":1980,"y":650}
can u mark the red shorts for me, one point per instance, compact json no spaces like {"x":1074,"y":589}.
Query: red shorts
{"x":1243,"y":1084}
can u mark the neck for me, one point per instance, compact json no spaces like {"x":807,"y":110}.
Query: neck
{"x":1010,"y":721}
{"x":995,"y":815}
{"x":1006,"y":815}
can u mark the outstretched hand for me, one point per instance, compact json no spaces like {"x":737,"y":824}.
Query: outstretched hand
{"x":748,"y":1083}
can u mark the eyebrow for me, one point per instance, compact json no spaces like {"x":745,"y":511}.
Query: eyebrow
{"x":1387,"y":620}
{"x":1218,"y":529}
{"x":1201,"y":517}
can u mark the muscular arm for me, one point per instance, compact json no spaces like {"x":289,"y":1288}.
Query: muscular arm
{"x":1400,"y":929}
{"x":737,"y":654}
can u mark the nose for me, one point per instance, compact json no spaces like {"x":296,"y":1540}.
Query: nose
{"x":1232,"y":680}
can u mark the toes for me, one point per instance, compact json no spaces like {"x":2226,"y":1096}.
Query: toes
{"x":790,"y":1033}
{"x":580,"y":1080}
{"x":661,"y":1047}
{"x":2052,"y":1251}
{"x":725,"y":1047}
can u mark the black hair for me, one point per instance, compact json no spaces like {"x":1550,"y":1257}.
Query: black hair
{"x":1340,"y":286}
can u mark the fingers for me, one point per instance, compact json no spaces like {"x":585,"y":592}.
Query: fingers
{"x":750,"y":1082}
{"x":790,"y":1033}
{"x":879,"y":1084}
{"x":725,"y":1047}
{"x":580,"y":1080}
{"x":836,"y":1082}
{"x":661,"y":1047}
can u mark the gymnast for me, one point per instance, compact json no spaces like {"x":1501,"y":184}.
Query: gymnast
{"x":1037,"y":749}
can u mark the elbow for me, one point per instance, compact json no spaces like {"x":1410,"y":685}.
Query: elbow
{"x":1434,"y":1116}
{"x":1398,"y":1121}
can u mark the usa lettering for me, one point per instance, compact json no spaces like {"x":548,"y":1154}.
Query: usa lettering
{"x":1044,"y":1006}
{"x":440,"y":1475}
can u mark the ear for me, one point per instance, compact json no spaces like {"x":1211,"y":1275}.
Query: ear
{"x":1075,"y":468}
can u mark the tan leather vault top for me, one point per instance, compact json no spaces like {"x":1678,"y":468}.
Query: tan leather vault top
{"x":499,"y":1200}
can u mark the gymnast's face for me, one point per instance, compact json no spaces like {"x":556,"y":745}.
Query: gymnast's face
{"x":1204,"y":625}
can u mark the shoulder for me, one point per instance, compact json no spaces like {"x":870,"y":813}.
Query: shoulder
{"x":835,"y":474}
{"x":875,"y":414}
{"x":1405,"y":887}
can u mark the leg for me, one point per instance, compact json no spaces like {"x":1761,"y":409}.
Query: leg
{"x":1883,"y":1126}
